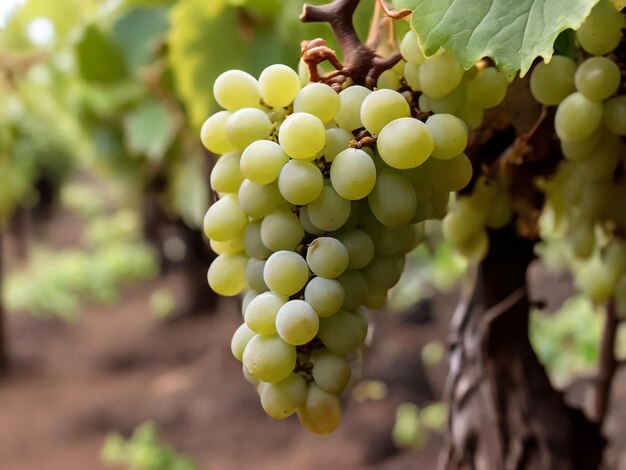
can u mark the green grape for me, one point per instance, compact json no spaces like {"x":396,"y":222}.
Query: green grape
{"x":247,"y":298}
{"x":471,"y":115}
{"x":260,"y":316}
{"x":302,"y":136}
{"x":376,"y":296}
{"x":337,"y":140}
{"x":360,"y":248}
{"x":449,"y":135}
{"x":283,"y":399}
{"x":439,"y":200}
{"x":603,"y":162}
{"x":620,"y":298}
{"x":343,"y":332}
{"x":321,"y":412}
{"x":226,"y":176}
{"x":551,"y":82}
{"x":598,"y":78}
{"x":258,"y":200}
{"x":213,"y":133}
{"x":392,"y":200}
{"x":405,"y":143}
{"x":412,"y":77}
{"x":354,"y":288}
{"x":232,"y":245}
{"x":615,"y":259}
{"x":476,"y":247}
{"x":582,"y":240}
{"x":577,"y":117}
{"x":349,"y":115}
{"x":241,"y":338}
{"x":300,"y":182}
{"x":424,"y":103}
{"x":450,"y":175}
{"x":254,"y":275}
{"x":582,"y":149}
{"x":381,"y":107}
{"x":353,"y":174}
{"x":410,"y":49}
{"x":279,"y":85}
{"x":615,"y":115}
{"x":226,"y":274}
{"x":602,"y":29}
{"x":317,"y":99}
{"x":249,"y":377}
{"x":307,"y":225}
{"x":224,"y":219}
{"x":326,"y":296}
{"x":297,"y":323}
{"x":440,"y":74}
{"x":452,"y":103}
{"x":394,"y":240}
{"x":329,"y":211}
{"x":262,"y":161}
{"x":286,"y":272}
{"x":423,"y":211}
{"x":501,"y":212}
{"x":330,"y":371}
{"x":235,"y":89}
{"x":269,"y":358}
{"x":388,"y":80}
{"x":246,"y":125}
{"x":281,"y":230}
{"x":327,"y":257}
{"x":462,"y":223}
{"x":487,"y":89}
{"x":252,"y":242}
{"x":595,"y":281}
{"x":384,"y":271}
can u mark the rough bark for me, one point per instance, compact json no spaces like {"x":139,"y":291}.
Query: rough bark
{"x":504,"y":413}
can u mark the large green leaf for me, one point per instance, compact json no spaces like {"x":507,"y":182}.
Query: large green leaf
{"x":99,"y":58}
{"x":512,"y":32}
{"x":149,"y":130}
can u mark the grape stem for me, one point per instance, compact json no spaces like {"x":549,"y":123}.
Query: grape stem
{"x":391,"y":13}
{"x":361,"y":64}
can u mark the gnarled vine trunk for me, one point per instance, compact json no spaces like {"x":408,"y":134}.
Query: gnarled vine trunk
{"x":504,"y":413}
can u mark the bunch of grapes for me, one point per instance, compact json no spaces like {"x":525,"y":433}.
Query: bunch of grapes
{"x":321,"y":196}
{"x":590,"y":122}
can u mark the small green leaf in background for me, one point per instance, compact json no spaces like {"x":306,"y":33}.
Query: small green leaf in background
{"x":512,"y":32}
{"x":188,"y":192}
{"x":149,"y":130}
{"x":99,"y":58}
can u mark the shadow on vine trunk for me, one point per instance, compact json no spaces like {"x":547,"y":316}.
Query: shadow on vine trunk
{"x":504,"y":413}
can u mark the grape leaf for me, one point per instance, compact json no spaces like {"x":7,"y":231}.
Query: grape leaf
{"x":149,"y":130}
{"x":99,"y":58}
{"x":512,"y":32}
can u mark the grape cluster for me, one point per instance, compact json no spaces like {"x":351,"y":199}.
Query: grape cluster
{"x":321,"y":196}
{"x":590,"y":122}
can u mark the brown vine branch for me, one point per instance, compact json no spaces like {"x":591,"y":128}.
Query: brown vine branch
{"x":391,"y":13}
{"x":607,"y":365}
{"x":361,"y":63}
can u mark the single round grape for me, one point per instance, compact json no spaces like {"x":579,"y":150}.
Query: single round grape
{"x":317,"y":99}
{"x":260,"y":315}
{"x":343,"y":332}
{"x":226,"y":176}
{"x":501,"y":212}
{"x":327,"y":257}
{"x":354,"y":288}
{"x":582,"y":240}
{"x":235,"y":89}
{"x":213,"y":133}
{"x":248,"y":297}
{"x":300,"y":182}
{"x":439,"y":200}
{"x":595,"y":281}
{"x":412,"y":77}
{"x":241,"y":338}
{"x":337,"y":140}
{"x":360,"y":248}
{"x":286,"y":272}
{"x":307,"y":225}
{"x":226,"y":274}
{"x":476,"y":247}
{"x":353,"y":174}
{"x":269,"y":358}
{"x":452,"y":103}
{"x":471,"y":115}
{"x":604,"y":160}
{"x":449,"y":135}
{"x":615,"y":258}
{"x":330,"y":371}
{"x":384,"y":271}
{"x":224,"y":219}
{"x":551,"y":82}
{"x":463,"y":222}
{"x":487,"y":89}
{"x":282,"y":399}
{"x":381,"y":107}
{"x":602,"y":29}
{"x":392,"y":200}
{"x":349,"y":115}
{"x":279,"y":85}
{"x":440,"y":74}
{"x":394,"y":240}
{"x":281,"y":230}
{"x":388,"y":80}
{"x":296,"y":322}
{"x":302,"y":136}
{"x":450,"y":175}
{"x":249,"y":377}
{"x":376,"y":296}
{"x":321,"y":412}
{"x":598,"y":78}
{"x":583,"y":149}
{"x":254,"y":275}
{"x":232,"y":245}
{"x":615,"y":115}
{"x":405,"y":143}
{"x":410,"y":49}
{"x":252,"y":242}
{"x":329,"y":211}
{"x":262,"y":161}
{"x":258,"y":200}
{"x":326,"y":296}
{"x":246,"y":125}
